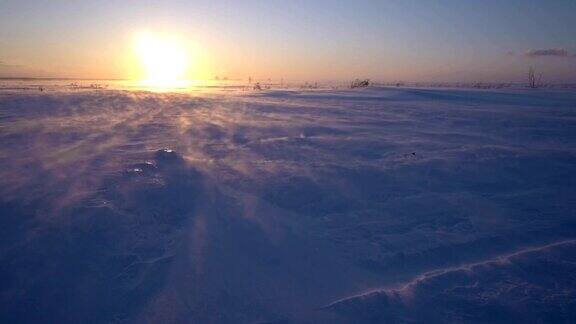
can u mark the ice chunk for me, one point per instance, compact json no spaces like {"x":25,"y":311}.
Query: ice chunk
{"x":166,"y":154}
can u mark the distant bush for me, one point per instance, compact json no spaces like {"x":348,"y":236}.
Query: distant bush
{"x":360,"y":83}
{"x":533,"y":80}
{"x":307,"y":85}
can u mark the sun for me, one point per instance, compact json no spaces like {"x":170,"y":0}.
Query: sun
{"x":163,"y":60}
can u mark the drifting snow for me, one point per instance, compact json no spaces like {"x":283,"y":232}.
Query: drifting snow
{"x":332,"y":206}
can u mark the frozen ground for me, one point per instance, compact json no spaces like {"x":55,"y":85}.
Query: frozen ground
{"x":329,"y":206}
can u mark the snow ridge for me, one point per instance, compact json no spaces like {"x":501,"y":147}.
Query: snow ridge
{"x":405,"y":289}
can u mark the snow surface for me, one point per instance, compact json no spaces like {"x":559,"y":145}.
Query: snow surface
{"x":287,"y":206}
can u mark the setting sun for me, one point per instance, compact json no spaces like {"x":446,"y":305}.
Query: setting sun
{"x":164,"y":61}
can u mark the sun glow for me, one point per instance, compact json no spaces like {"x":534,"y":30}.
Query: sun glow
{"x":164,"y":61}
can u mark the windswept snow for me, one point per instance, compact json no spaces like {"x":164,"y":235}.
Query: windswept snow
{"x":287,"y":206}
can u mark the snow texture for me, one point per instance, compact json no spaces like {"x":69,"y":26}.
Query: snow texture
{"x":377,"y":205}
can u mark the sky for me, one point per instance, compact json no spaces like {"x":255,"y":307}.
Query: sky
{"x":426,"y":40}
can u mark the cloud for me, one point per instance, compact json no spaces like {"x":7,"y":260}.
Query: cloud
{"x":558,"y":52}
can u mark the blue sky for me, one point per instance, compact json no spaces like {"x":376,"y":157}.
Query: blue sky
{"x":387,"y":40}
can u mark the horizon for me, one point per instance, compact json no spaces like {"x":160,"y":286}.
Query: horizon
{"x":447,"y":41}
{"x":289,"y":82}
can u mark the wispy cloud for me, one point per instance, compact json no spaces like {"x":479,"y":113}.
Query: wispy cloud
{"x":558,"y":52}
